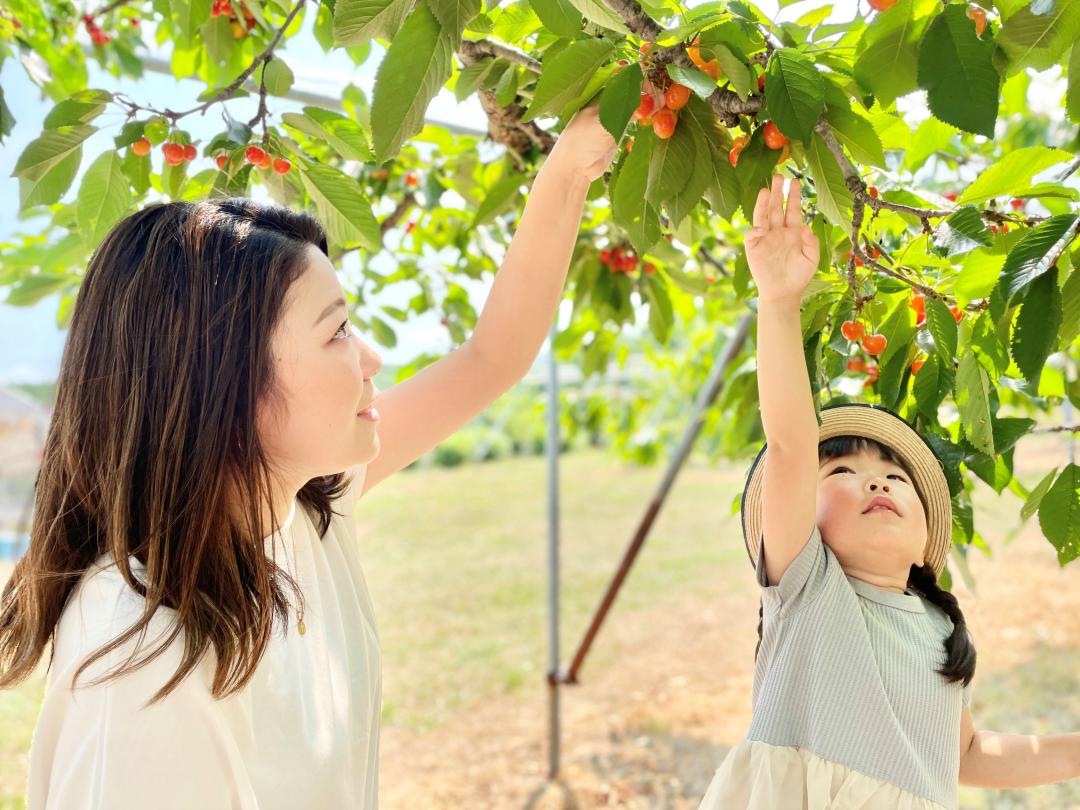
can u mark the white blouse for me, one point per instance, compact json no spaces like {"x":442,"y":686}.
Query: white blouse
{"x":304,"y":732}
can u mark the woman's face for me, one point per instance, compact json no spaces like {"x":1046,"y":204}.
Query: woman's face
{"x":880,"y":541}
{"x":323,"y":375}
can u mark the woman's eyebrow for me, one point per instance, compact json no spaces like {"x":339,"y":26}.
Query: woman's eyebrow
{"x":340,"y":302}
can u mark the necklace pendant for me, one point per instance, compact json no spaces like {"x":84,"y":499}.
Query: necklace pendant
{"x":301,"y":626}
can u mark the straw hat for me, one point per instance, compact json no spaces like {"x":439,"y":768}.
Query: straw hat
{"x":881,"y":424}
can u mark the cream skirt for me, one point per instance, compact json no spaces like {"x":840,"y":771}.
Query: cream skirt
{"x":758,"y":776}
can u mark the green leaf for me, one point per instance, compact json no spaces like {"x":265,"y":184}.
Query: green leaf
{"x":933,"y":382}
{"x":620,"y":98}
{"x":942,"y":327}
{"x":1039,"y":40}
{"x":1037,"y":494}
{"x":453,"y":15}
{"x":956,"y":69}
{"x":1030,"y":257}
{"x":31,"y":289}
{"x":343,"y":208}
{"x":357,"y":21}
{"x":834,"y":199}
{"x":1059,"y":514}
{"x":629,"y":206}
{"x":973,"y":400}
{"x":558,"y":16}
{"x":1035,"y":335}
{"x":342,"y":134}
{"x":1012,"y":173}
{"x":671,"y":165}
{"x":498,"y":197}
{"x":962,"y":231}
{"x":1072,"y":93}
{"x":82,"y":108}
{"x":681,"y":203}
{"x":188,"y":16}
{"x":599,"y":13}
{"x":742,"y":78}
{"x":277,"y":77}
{"x":858,"y":135}
{"x":471,"y":77}
{"x":49,"y":163}
{"x":104,"y":197}
{"x":693,"y":78}
{"x":566,"y":77}
{"x":416,"y":65}
{"x":796,"y":96}
{"x":886,"y":56}
{"x":382,"y":332}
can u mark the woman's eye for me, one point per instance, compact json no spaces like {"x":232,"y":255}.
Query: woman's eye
{"x":342,"y":330}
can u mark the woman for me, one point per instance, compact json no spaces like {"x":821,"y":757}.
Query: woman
{"x":194,"y":558}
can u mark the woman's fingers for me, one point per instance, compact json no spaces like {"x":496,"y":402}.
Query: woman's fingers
{"x":776,"y":202}
{"x":793,"y":216}
{"x":761,"y":209}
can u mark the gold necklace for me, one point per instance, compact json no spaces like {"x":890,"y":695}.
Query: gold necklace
{"x":300,"y":626}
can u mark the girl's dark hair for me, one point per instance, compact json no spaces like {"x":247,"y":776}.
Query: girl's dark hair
{"x":152,"y":449}
{"x":959,"y":648}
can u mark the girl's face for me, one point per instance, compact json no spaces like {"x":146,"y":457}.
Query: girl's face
{"x":879,"y":542}
{"x":323,"y":374}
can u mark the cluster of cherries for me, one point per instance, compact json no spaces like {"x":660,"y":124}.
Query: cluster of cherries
{"x":774,"y":139}
{"x":177,"y":153}
{"x":660,"y":109}
{"x":261,"y":158}
{"x":623,"y":261}
{"x":97,"y":36}
{"x":223,"y":8}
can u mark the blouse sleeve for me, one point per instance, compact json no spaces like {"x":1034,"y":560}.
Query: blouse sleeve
{"x":804,"y":578}
{"x":99,"y":747}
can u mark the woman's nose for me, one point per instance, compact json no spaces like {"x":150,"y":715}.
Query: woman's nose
{"x":371,"y":361}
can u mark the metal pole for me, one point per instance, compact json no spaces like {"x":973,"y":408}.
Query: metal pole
{"x":707,"y":396}
{"x":553,"y":558}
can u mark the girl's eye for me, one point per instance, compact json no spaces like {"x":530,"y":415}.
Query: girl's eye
{"x":343,"y":330}
{"x":891,"y":475}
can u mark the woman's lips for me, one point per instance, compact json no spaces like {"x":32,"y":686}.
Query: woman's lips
{"x":370,"y":415}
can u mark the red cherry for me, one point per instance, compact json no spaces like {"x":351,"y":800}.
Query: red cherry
{"x":221,"y":160}
{"x":1004,"y":227}
{"x":774,"y":138}
{"x":921,"y":319}
{"x":254,"y":154}
{"x":650,"y":268}
{"x":1016,"y":203}
{"x":875,"y":253}
{"x":266,"y":162}
{"x":874,"y":344}
{"x":881,"y":5}
{"x":856,"y":364}
{"x":918,"y":303}
{"x":676,"y":96}
{"x":872,"y":370}
{"x":282,"y":165}
{"x":993,"y":229}
{"x":174,"y":153}
{"x":409,"y":226}
{"x":915,"y":366}
{"x":141,"y":147}
{"x":410,"y":179}
{"x":761,"y":83}
{"x":664,"y":123}
{"x":853,"y":330}
{"x":605,"y":256}
{"x":950,"y":196}
{"x":733,"y":156}
{"x":190,"y":152}
{"x":873,"y":191}
{"x":646,"y":106}
{"x":957,"y":313}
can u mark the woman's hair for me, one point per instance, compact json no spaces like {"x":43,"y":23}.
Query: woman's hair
{"x":152,"y":449}
{"x":959,"y":648}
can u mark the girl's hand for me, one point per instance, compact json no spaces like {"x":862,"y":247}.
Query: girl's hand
{"x":585,"y":148}
{"x":782,"y":252}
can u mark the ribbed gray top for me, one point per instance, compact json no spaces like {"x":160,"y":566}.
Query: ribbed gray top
{"x":847,"y":671}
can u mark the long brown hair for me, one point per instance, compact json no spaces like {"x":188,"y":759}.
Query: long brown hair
{"x":152,"y":450}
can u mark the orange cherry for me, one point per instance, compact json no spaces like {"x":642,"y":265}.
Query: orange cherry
{"x":853,"y":330}
{"x":874,"y":344}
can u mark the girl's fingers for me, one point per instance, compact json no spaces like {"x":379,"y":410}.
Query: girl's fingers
{"x":776,"y":202}
{"x":761,"y":209}
{"x":793,"y":215}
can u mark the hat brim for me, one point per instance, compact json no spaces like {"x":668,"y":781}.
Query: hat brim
{"x":881,"y":424}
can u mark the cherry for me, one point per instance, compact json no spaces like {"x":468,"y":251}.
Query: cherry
{"x":957,"y":313}
{"x":676,"y":96}
{"x":918,"y":303}
{"x":645,"y":48}
{"x":875,"y":253}
{"x":711,"y":69}
{"x":993,"y":229}
{"x":738,"y":145}
{"x":1016,"y":203}
{"x":664,"y":123}
{"x":411,"y":179}
{"x":774,"y":138}
{"x":921,"y":319}
{"x":266,"y":162}
{"x":221,"y":160}
{"x":881,"y":5}
{"x":141,"y":147}
{"x":1004,"y":228}
{"x":915,"y":366}
{"x":380,"y":174}
{"x":733,"y":156}
{"x":856,"y":364}
{"x":950,"y":196}
{"x":858,"y":261}
{"x":254,"y":154}
{"x":605,"y":256}
{"x":710,"y":279}
{"x":761,"y":83}
{"x":853,"y":330}
{"x":174,"y":153}
{"x":694,"y":52}
{"x":646,"y":107}
{"x":872,"y":191}
{"x":282,"y":165}
{"x":409,"y":226}
{"x":190,"y":152}
{"x":979,"y":16}
{"x":629,"y":145}
{"x":872,"y":370}
{"x":874,"y":344}
{"x":650,"y":269}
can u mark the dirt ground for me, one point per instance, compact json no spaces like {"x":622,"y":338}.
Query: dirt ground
{"x":649,"y":731}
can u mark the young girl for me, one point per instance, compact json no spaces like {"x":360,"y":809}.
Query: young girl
{"x":863,"y":666}
{"x":194,"y":558}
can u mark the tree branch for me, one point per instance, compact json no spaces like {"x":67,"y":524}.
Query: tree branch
{"x":474,"y":50}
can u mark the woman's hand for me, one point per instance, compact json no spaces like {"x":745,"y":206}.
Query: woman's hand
{"x":782,"y":252}
{"x":584,"y":148}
